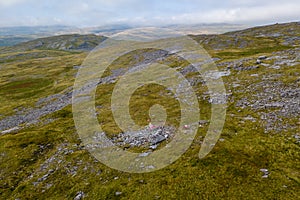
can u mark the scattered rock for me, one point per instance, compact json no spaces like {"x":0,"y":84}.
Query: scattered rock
{"x":150,"y":167}
{"x":275,"y":67}
{"x":241,"y":67}
{"x":80,"y":195}
{"x":274,"y":101}
{"x":43,"y":107}
{"x":217,"y":75}
{"x":147,"y":137}
{"x":144,"y":154}
{"x":157,"y":138}
{"x":297,"y":137}
{"x":203,"y":122}
{"x":14,"y":129}
{"x":217,"y":98}
{"x":266,"y":173}
{"x":153,"y":147}
{"x":262,"y":57}
{"x":118,"y":193}
{"x":77,"y":67}
{"x":265,"y":64}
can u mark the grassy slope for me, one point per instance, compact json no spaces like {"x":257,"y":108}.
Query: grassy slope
{"x":230,"y":171}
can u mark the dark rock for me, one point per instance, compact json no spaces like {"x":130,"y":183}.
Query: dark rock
{"x":262,"y":57}
{"x":157,"y":139}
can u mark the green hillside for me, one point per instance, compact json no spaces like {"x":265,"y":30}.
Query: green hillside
{"x":256,"y":157}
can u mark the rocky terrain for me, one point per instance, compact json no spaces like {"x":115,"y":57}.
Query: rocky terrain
{"x":271,"y":99}
{"x":256,"y":157}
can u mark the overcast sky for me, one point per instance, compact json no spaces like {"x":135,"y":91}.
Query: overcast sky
{"x":84,"y":13}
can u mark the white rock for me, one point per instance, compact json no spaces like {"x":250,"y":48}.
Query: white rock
{"x":10,"y":130}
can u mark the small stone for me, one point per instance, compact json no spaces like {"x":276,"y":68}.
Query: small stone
{"x":10,"y":130}
{"x":77,"y":67}
{"x":265,"y":176}
{"x":275,"y":67}
{"x":35,"y":183}
{"x":144,"y":154}
{"x":153,"y":147}
{"x":150,"y":167}
{"x":118,"y":193}
{"x":157,"y":139}
{"x":265,"y":64}
{"x":262,"y":57}
{"x":202,"y":122}
{"x":264,"y":170}
{"x":99,"y":172}
{"x":48,"y":186}
{"x":266,"y":173}
{"x":79,"y":195}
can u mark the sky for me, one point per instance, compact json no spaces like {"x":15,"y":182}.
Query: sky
{"x":86,"y":13}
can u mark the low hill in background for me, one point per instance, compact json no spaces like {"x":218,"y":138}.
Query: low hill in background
{"x":10,"y":36}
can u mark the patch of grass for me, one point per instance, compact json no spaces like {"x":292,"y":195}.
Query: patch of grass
{"x":233,"y":54}
{"x":25,"y":88}
{"x":23,"y":83}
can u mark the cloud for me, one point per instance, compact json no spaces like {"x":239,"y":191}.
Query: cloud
{"x":7,"y":3}
{"x":101,"y":12}
{"x":238,"y":14}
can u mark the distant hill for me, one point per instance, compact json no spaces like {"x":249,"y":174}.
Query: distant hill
{"x":10,"y":36}
{"x":33,"y":30}
{"x":278,"y":36}
{"x":266,"y":38}
{"x":73,"y":42}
